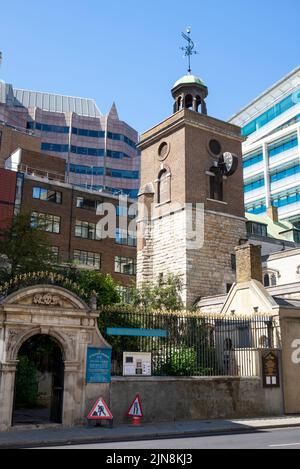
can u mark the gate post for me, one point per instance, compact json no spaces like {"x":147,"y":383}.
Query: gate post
{"x":7,"y":392}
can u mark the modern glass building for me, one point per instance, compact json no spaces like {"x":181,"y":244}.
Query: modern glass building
{"x":271,"y":152}
{"x":99,"y":150}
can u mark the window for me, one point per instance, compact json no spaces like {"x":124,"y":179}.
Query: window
{"x":286,"y":198}
{"x":285,"y":173}
{"x":269,"y":115}
{"x":251,"y":186}
{"x":270,"y":279}
{"x":48,"y":128}
{"x":233,"y":262}
{"x":87,"y":151}
{"x":216,"y":187}
{"x":55,"y":147}
{"x":86,"y":230}
{"x":46,"y":222}
{"x":258,"y":229}
{"x":87,"y":204}
{"x":283,"y":145}
{"x":125,"y":237}
{"x":91,"y":259}
{"x":119,"y":173}
{"x":125,"y":265}
{"x":297,"y":236}
{"x":164,"y":187}
{"x":88,"y":133}
{"x":89,"y":170}
{"x":121,"y":138}
{"x":257,"y":207}
{"x":47,"y":195}
{"x":253,"y":158}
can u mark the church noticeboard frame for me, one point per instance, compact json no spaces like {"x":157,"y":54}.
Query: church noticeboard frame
{"x":98,"y":365}
{"x":270,"y":369}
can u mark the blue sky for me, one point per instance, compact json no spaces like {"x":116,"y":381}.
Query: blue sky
{"x":129,"y":51}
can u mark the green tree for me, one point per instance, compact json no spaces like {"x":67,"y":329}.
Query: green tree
{"x":23,"y":248}
{"x":160,"y":296}
{"x":93,"y":282}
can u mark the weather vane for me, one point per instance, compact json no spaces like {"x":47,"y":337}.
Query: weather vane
{"x":189,"y":48}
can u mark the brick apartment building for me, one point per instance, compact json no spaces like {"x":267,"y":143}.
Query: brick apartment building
{"x":35,"y":184}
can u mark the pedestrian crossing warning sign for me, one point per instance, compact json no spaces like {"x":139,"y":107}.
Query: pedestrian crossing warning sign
{"x":135,"y":410}
{"x":100,"y":411}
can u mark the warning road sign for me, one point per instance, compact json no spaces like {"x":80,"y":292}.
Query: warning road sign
{"x":135,"y":410}
{"x":100,"y":411}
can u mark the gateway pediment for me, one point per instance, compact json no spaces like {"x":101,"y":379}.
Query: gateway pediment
{"x":46,"y":296}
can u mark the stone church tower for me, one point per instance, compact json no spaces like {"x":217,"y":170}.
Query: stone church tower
{"x":190,"y":158}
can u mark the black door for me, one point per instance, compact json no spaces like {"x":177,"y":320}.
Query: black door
{"x":57,"y":393}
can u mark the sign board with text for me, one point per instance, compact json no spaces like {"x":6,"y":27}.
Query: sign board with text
{"x":137,"y":364}
{"x":98,"y":366}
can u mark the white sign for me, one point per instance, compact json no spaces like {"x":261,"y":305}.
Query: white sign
{"x":137,"y":364}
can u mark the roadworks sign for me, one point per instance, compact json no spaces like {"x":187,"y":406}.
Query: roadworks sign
{"x":100,"y":411}
{"x":135,"y":410}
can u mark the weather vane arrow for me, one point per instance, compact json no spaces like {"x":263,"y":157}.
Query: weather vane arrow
{"x":189,"y":48}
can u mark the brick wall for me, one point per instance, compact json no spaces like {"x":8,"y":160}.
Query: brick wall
{"x":7,"y":196}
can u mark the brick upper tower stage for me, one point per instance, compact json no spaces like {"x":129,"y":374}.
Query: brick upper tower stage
{"x":183,"y":162}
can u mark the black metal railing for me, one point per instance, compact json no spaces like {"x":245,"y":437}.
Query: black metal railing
{"x":190,"y":344}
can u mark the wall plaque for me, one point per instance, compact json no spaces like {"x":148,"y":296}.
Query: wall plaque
{"x":270,"y":368}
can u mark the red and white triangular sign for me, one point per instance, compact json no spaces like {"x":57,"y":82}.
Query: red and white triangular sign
{"x":135,"y":410}
{"x":100,"y":411}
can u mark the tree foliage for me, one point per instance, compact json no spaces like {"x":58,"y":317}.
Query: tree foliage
{"x":23,"y":248}
{"x":164,"y":296}
{"x":95,"y":284}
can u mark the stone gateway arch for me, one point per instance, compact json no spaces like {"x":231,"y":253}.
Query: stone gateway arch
{"x":58,"y":313}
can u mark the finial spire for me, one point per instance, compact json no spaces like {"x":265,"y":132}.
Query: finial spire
{"x":1,"y":58}
{"x":189,"y":48}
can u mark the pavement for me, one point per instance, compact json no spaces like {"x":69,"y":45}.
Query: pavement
{"x":55,"y":435}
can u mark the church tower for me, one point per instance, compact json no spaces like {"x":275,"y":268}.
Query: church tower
{"x":190,"y":158}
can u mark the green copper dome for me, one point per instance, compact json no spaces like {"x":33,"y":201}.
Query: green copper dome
{"x":189,"y":80}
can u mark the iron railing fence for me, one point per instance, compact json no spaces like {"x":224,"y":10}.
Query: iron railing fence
{"x":190,"y":344}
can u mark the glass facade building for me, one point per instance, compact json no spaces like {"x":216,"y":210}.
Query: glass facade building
{"x":271,"y":151}
{"x":100,"y":150}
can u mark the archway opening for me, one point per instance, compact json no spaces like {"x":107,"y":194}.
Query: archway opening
{"x":39,"y":382}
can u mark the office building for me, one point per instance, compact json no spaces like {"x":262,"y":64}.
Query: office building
{"x":99,"y":150}
{"x":271,"y":151}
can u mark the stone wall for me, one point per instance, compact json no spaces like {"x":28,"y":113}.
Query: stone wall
{"x":204,"y":271}
{"x":169,"y":399}
{"x":209,"y":269}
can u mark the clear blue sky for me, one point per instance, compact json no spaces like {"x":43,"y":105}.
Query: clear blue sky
{"x":128,"y":50}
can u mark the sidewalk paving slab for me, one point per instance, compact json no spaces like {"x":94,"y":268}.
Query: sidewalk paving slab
{"x":53,"y":435}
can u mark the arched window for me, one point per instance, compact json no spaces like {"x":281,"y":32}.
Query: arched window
{"x":270,"y":279}
{"x":188,"y":101}
{"x":198,"y":103}
{"x":266,"y":280}
{"x":216,"y":186}
{"x":179,"y":103}
{"x":164,"y":187}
